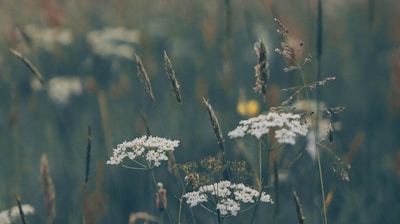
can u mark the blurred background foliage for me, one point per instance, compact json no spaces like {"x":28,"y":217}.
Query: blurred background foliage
{"x":85,"y":51}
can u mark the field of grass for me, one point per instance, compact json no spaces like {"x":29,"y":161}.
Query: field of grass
{"x":229,"y":111}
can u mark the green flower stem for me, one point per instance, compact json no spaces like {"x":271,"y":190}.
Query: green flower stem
{"x":315,"y":124}
{"x":259,"y":162}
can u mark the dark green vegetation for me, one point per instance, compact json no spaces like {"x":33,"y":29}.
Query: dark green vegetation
{"x":211,"y":47}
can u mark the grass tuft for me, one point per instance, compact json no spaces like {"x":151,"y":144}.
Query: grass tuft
{"x":216,"y":127}
{"x":144,"y":78}
{"x":171,"y":75}
{"x":48,"y":189}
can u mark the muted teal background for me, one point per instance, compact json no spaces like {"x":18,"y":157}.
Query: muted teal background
{"x":210,"y":44}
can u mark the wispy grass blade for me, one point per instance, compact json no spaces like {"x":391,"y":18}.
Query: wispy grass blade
{"x":144,"y":78}
{"x":21,"y":212}
{"x":261,"y":69}
{"x":299,"y":209}
{"x":28,"y":63}
{"x":172,"y":78}
{"x":88,"y":151}
{"x":48,"y":189}
{"x":216,"y":127}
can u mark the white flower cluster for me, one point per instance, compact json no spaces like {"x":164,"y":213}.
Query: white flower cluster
{"x":229,"y":196}
{"x":116,"y":41}
{"x":286,"y":126}
{"x":47,"y":38}
{"x":62,"y":88}
{"x":12,"y":215}
{"x":148,"y":148}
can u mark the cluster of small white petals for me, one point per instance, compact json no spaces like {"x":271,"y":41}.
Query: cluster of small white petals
{"x":152,"y":149}
{"x":229,"y":196}
{"x":194,"y":198}
{"x":266,"y":198}
{"x":114,"y":41}
{"x":226,"y":206}
{"x":245,"y":194}
{"x":220,"y":189}
{"x":286,"y":126}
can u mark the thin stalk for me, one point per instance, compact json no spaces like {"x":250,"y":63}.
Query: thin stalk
{"x":155,"y":184}
{"x":256,"y":206}
{"x":180,"y":209}
{"x":181,"y":199}
{"x":321,"y":180}
{"x":259,"y":162}
{"x":318,"y":56}
{"x":322,"y":188}
{"x":105,"y":118}
{"x":315,"y":124}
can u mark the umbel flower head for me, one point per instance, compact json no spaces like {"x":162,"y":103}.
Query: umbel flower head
{"x":285,"y":125}
{"x":146,"y":152}
{"x":229,"y":196}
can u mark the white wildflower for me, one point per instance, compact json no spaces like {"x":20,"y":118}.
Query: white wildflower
{"x":146,"y":148}
{"x":229,"y":196}
{"x":194,"y":198}
{"x":46,"y":38}
{"x":62,"y":88}
{"x":266,"y":198}
{"x":12,"y":215}
{"x":286,"y":126}
{"x":116,"y":41}
{"x":245,"y":194}
{"x":228,"y":206}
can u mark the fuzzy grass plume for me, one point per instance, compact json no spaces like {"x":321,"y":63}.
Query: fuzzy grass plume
{"x":144,"y":78}
{"x":48,"y":189}
{"x":261,"y":69}
{"x":171,"y":75}
{"x":216,"y":127}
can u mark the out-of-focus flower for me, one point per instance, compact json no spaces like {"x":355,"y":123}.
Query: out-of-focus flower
{"x":12,"y":215}
{"x":323,"y":123}
{"x":47,"y":38}
{"x":146,"y":151}
{"x":114,"y":42}
{"x":248,"y":108}
{"x":229,"y":196}
{"x":60,"y":89}
{"x":286,"y":126}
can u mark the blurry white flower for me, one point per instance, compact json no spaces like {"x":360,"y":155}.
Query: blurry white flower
{"x":12,"y":215}
{"x":146,"y":151}
{"x":286,"y":126}
{"x":61,"y":88}
{"x":47,"y":37}
{"x":310,"y":106}
{"x":229,"y":196}
{"x":114,"y":42}
{"x":226,"y":206}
